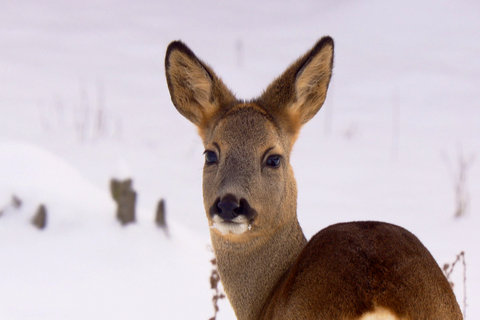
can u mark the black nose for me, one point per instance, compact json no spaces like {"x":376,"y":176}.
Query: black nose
{"x":229,"y":207}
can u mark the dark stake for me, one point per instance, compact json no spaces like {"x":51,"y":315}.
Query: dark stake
{"x":39,"y":220}
{"x":160,"y":219}
{"x":125,"y":197}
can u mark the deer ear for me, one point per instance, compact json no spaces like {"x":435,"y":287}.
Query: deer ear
{"x":196,"y":91}
{"x":300,"y":91}
{"x":312,"y":81}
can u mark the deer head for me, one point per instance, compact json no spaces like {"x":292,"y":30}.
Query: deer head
{"x":249,"y":188}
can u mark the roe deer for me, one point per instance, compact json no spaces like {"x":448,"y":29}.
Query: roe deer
{"x":356,"y":270}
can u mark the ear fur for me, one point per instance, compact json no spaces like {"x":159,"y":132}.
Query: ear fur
{"x":297,"y":95}
{"x":195,"y":90}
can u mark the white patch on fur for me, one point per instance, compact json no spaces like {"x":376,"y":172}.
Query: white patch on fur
{"x":238,"y":225}
{"x":379,"y":313}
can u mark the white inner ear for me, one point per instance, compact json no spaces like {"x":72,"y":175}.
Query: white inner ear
{"x":195,"y":78}
{"x":314,"y":74}
{"x":201,"y":85}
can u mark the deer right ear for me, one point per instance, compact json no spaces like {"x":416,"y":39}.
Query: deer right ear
{"x":196,"y":91}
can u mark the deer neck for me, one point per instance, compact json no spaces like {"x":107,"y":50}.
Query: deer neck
{"x":250,"y":270}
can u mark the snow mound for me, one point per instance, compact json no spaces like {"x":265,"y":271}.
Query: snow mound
{"x":37,"y":176}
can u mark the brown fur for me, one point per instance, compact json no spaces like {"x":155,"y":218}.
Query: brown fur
{"x":374,"y":264}
{"x":359,"y":270}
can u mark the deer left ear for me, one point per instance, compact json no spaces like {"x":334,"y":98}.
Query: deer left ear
{"x":300,"y":91}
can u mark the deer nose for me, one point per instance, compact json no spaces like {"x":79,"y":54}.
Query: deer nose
{"x":229,"y":207}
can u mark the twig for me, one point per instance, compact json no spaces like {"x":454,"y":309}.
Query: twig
{"x":448,"y":269}
{"x":218,"y":295}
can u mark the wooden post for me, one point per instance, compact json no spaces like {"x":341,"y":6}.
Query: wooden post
{"x":160,"y":219}
{"x":39,"y":220}
{"x":125,"y":197}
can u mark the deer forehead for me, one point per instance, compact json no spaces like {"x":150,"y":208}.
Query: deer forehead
{"x":246,"y":129}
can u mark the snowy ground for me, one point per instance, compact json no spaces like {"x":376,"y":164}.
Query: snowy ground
{"x":83,"y":98}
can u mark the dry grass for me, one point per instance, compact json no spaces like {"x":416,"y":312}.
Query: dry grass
{"x":448,"y":269}
{"x":459,"y":172}
{"x":217,"y":293}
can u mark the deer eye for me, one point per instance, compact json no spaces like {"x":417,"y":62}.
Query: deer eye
{"x":210,"y":157}
{"x":273,"y":161}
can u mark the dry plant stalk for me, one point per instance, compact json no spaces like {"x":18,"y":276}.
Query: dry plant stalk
{"x":461,"y":193}
{"x":217,"y":294}
{"x":448,"y":269}
{"x":459,"y":178}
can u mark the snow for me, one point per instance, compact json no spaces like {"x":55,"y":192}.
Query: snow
{"x":83,"y":99}
{"x":85,"y":264}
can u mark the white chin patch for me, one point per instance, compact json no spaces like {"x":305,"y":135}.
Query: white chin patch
{"x":238,"y":225}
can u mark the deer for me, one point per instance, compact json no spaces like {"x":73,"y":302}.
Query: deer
{"x":350,"y":270}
